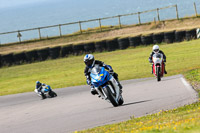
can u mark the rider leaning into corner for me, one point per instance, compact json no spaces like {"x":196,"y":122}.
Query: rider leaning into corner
{"x":90,"y":62}
{"x":39,"y":86}
{"x":154,"y":51}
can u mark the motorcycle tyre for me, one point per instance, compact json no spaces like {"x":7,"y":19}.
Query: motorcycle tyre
{"x":158,"y":74}
{"x":52,"y":94}
{"x":121,"y":101}
{"x":110,"y":96}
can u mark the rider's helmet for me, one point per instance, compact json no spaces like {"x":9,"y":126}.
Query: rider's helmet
{"x":155,"y":48}
{"x":38,"y":83}
{"x":89,"y":60}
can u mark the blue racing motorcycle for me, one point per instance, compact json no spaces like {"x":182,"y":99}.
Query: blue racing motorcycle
{"x":48,"y":92}
{"x":106,"y":85}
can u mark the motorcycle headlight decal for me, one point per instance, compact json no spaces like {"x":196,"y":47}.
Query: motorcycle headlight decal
{"x":99,"y":78}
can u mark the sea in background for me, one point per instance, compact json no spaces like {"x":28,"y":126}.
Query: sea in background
{"x":53,"y":12}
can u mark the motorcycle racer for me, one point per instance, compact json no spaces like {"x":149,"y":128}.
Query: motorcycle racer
{"x":90,"y":62}
{"x":39,"y":86}
{"x":154,"y":51}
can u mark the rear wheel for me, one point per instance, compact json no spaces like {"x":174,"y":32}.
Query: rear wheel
{"x":110,"y":96}
{"x":52,"y":94}
{"x":158,"y":73}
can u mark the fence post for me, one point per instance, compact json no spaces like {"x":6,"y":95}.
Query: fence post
{"x":39,"y":33}
{"x":158,"y":15}
{"x":100,"y":24}
{"x":139,"y":18}
{"x":60,"y":30}
{"x":19,"y":36}
{"x":80,"y":27}
{"x":177,"y":12}
{"x":195,"y":8}
{"x":120,"y":26}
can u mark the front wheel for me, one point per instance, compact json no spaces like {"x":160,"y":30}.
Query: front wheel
{"x":158,"y":73}
{"x":121,"y":101}
{"x":110,"y":96}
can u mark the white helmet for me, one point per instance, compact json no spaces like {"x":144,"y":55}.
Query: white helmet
{"x":155,"y":48}
{"x":89,"y":60}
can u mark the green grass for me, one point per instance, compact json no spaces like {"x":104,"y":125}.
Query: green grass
{"x":184,"y":119}
{"x":193,"y":77}
{"x":129,"y":64}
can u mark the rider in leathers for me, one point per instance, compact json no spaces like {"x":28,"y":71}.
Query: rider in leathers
{"x":90,"y":62}
{"x":39,"y":88}
{"x":157,"y":50}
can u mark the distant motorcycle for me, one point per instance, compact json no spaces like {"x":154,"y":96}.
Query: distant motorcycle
{"x":47,"y":92}
{"x":158,"y":66}
{"x":106,"y":86}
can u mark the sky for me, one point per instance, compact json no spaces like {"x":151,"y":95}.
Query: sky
{"x":16,"y":3}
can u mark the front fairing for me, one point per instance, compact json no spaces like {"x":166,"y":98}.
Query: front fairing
{"x":99,"y":76}
{"x":157,"y":58}
{"x":45,"y":89}
{"x":158,"y":63}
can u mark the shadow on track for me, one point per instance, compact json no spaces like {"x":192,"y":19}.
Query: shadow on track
{"x":126,"y":104}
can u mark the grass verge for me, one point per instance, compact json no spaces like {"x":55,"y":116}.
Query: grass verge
{"x":181,"y":120}
{"x":193,"y":77}
{"x":129,"y":64}
{"x":184,"y":119}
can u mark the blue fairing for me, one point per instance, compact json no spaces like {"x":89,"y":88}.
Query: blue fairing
{"x":101,"y":78}
{"x":47,"y":88}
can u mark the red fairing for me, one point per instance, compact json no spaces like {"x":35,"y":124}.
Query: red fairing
{"x":163,"y":68}
{"x":154,"y":70}
{"x":162,"y":72}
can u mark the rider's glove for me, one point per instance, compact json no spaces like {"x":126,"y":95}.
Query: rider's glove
{"x":164,"y":60}
{"x":88,"y":82}
{"x":111,"y":71}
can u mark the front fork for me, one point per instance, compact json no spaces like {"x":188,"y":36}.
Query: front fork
{"x":154,"y":68}
{"x":157,"y":70}
{"x":113,"y":85}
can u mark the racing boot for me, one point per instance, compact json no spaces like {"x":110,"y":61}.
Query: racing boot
{"x":165,"y":72}
{"x":165,"y":69}
{"x":120,"y":86}
{"x":115,"y":75}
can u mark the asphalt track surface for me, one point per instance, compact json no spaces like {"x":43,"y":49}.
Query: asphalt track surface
{"x":76,"y":109}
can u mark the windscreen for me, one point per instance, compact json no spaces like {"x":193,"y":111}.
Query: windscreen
{"x":158,"y":55}
{"x":96,"y":69}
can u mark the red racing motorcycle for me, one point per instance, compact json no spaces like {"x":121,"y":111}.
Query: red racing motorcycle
{"x":158,"y":66}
